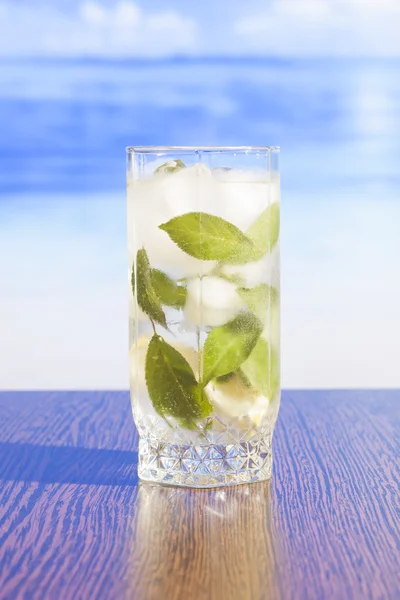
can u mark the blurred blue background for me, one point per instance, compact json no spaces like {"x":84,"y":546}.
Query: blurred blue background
{"x":82,"y":79}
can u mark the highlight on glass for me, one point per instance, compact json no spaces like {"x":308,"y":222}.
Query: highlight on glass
{"x":204,"y":316}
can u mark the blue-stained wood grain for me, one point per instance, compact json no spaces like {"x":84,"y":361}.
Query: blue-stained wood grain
{"x":75,"y":524}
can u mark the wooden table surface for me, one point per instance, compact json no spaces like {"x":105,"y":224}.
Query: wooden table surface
{"x":75,"y":523}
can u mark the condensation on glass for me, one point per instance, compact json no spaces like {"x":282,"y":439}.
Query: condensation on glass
{"x":204,"y":315}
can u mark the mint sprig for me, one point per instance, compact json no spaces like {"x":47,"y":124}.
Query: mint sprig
{"x":229,"y":345}
{"x":146,"y":294}
{"x":169,"y":292}
{"x":237,"y":347}
{"x":261,"y":369}
{"x":172,"y":385}
{"x":207,"y":237}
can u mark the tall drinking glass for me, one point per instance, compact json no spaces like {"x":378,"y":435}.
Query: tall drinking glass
{"x":204,"y":323}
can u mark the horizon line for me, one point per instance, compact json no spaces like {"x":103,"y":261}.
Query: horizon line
{"x":187,"y":58}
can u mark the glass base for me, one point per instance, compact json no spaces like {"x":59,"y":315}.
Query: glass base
{"x":205,"y":466}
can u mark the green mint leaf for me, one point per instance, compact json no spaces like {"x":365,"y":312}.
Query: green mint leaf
{"x":260,"y":300}
{"x":147,"y":297}
{"x":171,"y":166}
{"x":169,"y":293}
{"x":208,"y":237}
{"x":261,"y":369}
{"x":172,"y":385}
{"x":228,"y":346}
{"x":264,"y":234}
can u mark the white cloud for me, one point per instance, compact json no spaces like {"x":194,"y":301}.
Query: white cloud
{"x":121,"y":29}
{"x":323,"y":27}
{"x":93,"y":13}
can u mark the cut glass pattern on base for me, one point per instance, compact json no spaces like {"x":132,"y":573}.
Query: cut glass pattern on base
{"x":208,"y":465}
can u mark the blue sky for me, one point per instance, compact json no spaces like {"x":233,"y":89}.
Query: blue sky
{"x":138,"y":28}
{"x":65,"y":126}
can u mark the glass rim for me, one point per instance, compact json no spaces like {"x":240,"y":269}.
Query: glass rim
{"x":183,"y":149}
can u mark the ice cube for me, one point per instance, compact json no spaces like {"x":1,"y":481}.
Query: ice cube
{"x":233,"y":399}
{"x":188,"y":190}
{"x":242,"y":195}
{"x":255,"y":175}
{"x":211,"y":301}
{"x":156,"y":201}
{"x":240,"y":199}
{"x":251,"y":274}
